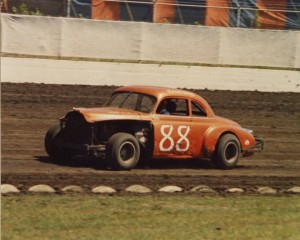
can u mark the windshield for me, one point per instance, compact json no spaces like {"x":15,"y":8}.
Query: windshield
{"x":134,"y":101}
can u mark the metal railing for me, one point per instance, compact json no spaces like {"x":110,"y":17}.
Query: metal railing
{"x":71,"y":7}
{"x":291,"y":7}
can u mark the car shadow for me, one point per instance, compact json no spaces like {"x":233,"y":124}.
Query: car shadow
{"x":80,"y":162}
{"x":100,"y":164}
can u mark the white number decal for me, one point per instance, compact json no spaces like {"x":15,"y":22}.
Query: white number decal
{"x":183,"y":138}
{"x":167,"y":137}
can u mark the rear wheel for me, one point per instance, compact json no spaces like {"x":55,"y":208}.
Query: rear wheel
{"x":122,"y":151}
{"x":228,"y":152}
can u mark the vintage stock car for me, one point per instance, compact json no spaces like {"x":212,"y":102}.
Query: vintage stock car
{"x":143,"y":122}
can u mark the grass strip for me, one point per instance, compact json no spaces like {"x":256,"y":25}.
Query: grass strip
{"x":150,"y":217}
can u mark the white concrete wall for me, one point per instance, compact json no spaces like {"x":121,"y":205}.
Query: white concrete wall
{"x":119,"y":74}
{"x":47,"y":36}
{"x":259,"y":47}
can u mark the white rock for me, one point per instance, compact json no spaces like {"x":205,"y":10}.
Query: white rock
{"x":203,"y":189}
{"x":235,"y":190}
{"x":73,"y":188}
{"x":8,"y":188}
{"x":170,"y":189}
{"x":266,"y":190}
{"x":103,"y":189}
{"x":42,"y":188}
{"x":138,"y":189}
{"x":294,"y":190}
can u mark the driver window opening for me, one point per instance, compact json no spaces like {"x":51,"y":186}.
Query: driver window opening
{"x":173,"y":106}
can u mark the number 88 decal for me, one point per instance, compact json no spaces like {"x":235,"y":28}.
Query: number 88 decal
{"x":167,"y":138}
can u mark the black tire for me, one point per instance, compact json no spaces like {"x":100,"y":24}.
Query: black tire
{"x":228,"y":152}
{"x":56,"y":153}
{"x":51,"y":134}
{"x":122,"y":151}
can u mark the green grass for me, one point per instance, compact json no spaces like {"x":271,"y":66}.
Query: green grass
{"x":150,"y":217}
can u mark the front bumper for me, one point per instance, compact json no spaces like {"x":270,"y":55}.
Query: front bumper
{"x":257,"y":147}
{"x":85,"y":149}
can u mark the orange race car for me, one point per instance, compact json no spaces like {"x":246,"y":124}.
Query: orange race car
{"x":143,"y":122}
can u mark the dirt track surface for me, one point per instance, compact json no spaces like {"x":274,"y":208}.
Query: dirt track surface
{"x":28,"y":110}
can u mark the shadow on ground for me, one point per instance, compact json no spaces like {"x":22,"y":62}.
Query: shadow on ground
{"x":101,"y":164}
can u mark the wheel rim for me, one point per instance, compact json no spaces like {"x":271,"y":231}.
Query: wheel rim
{"x":231,"y":152}
{"x":127,"y":151}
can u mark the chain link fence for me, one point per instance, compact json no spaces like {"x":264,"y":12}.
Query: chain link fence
{"x":265,"y":14}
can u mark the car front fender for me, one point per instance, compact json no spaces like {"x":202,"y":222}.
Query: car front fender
{"x":213,"y":134}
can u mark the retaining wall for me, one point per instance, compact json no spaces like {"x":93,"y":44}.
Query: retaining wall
{"x":67,"y":37}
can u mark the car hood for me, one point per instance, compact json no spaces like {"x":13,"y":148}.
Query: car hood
{"x":109,"y":113}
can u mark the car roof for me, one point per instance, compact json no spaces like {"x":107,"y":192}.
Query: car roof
{"x":159,"y":92}
{"x":162,"y":92}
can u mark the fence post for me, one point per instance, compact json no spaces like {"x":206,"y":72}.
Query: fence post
{"x":238,"y":20}
{"x":154,"y":11}
{"x":69,"y":2}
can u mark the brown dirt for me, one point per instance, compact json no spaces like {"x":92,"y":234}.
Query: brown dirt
{"x":28,"y":110}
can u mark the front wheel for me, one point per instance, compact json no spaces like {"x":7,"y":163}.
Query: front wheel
{"x":228,"y":152}
{"x":123,"y":151}
{"x":51,"y":134}
{"x":56,"y":153}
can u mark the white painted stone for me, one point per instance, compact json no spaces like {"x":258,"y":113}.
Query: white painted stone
{"x":73,"y":188}
{"x":103,"y":189}
{"x":170,"y":189}
{"x":41,"y":188}
{"x":8,"y":188}
{"x":203,"y":189}
{"x":138,"y":189}
{"x":266,"y":190}
{"x":235,"y":190}
{"x":294,"y":190}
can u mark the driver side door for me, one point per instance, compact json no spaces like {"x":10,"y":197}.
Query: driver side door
{"x":172,"y":131}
